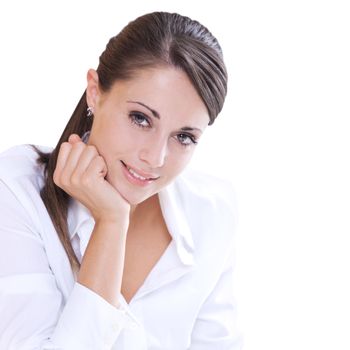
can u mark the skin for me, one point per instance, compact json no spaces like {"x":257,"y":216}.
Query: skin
{"x":156,"y":144}
{"x":154,"y":149}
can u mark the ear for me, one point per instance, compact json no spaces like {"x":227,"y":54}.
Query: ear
{"x":92,"y":89}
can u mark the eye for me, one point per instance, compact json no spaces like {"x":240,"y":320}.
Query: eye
{"x":139,"y":119}
{"x":186,"y":139}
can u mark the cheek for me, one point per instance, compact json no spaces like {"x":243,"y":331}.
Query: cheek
{"x":113,"y":141}
{"x":178,"y":160}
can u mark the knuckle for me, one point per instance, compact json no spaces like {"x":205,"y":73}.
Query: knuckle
{"x":91,"y":148}
{"x":86,"y":180}
{"x":99,"y":159}
{"x":64,"y":181}
{"x":65,"y":145}
{"x":79,"y":145}
{"x":75,"y":180}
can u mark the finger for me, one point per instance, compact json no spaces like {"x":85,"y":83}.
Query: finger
{"x":97,"y":169}
{"x":72,"y":161}
{"x":62,"y":157}
{"x":86,"y":157}
{"x":74,"y":138}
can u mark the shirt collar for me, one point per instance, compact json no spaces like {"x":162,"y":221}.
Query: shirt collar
{"x":78,"y":215}
{"x":81,"y":222}
{"x":172,"y":207}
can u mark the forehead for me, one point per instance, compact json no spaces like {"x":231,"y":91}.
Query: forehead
{"x":167,"y":90}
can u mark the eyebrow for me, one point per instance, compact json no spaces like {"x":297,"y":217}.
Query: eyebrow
{"x":188,"y":128}
{"x":156,"y":115}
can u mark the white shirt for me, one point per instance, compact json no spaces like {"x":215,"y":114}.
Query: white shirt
{"x":186,"y":302}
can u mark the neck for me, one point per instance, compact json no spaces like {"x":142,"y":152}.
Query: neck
{"x":145,"y":210}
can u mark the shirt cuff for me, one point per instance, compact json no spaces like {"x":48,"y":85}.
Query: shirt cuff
{"x":89,"y":322}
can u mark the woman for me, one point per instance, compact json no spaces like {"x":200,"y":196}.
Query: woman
{"x":105,"y":242}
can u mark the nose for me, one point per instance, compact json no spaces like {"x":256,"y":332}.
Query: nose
{"x":154,"y":153}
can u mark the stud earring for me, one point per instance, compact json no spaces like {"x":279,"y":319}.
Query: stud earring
{"x":89,"y":112}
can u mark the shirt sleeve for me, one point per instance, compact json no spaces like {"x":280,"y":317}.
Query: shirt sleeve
{"x":216,"y":326}
{"x":32,"y":312}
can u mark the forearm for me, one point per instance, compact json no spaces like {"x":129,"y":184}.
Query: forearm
{"x":103,"y":262}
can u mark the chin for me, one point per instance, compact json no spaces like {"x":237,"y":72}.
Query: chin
{"x":132,"y":194}
{"x":133,"y":197}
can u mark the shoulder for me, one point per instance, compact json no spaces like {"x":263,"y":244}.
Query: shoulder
{"x":21,"y":176}
{"x":209,"y":203}
{"x":21,"y":179}
{"x":200,"y":189}
{"x":19,"y":161}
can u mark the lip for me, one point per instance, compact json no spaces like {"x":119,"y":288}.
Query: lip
{"x":136,"y":181}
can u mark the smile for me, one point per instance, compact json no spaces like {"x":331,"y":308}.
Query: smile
{"x":135,"y":177}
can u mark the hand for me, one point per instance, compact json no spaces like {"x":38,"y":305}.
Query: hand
{"x":81,"y":171}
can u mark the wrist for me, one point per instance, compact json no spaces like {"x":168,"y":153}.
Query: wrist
{"x":112,"y":223}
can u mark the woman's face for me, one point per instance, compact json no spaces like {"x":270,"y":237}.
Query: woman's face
{"x":146,"y":129}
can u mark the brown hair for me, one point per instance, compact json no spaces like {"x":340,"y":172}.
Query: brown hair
{"x":155,"y":39}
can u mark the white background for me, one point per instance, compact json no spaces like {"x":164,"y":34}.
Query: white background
{"x":283,"y":139}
